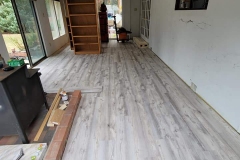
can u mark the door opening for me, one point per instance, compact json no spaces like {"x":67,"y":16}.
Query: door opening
{"x":114,"y":8}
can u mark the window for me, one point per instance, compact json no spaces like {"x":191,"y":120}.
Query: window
{"x":191,"y":4}
{"x":55,"y":18}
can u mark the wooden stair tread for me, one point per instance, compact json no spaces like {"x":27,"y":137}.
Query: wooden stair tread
{"x":87,"y":52}
{"x":83,"y":3}
{"x":86,"y":36}
{"x":85,"y":43}
{"x":84,"y":26}
{"x":83,"y":14}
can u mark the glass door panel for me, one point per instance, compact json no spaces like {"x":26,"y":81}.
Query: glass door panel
{"x":26,"y":15}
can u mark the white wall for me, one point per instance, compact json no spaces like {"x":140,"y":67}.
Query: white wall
{"x":131,"y":16}
{"x":202,"y":47}
{"x":3,"y":49}
{"x":50,"y":45}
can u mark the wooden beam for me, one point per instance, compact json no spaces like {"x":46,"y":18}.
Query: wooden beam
{"x":63,"y":107}
{"x":97,"y":89}
{"x":57,"y":117}
{"x":47,"y":116}
{"x":50,"y":124}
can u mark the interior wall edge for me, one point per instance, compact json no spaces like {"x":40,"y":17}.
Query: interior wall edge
{"x":202,"y":47}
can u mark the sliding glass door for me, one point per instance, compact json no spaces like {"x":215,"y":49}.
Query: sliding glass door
{"x":28,"y":24}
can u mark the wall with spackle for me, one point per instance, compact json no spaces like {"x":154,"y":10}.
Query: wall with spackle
{"x":203,"y":47}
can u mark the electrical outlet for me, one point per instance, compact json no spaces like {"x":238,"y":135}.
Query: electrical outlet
{"x":193,"y":87}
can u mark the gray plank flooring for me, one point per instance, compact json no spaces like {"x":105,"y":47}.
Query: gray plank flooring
{"x":144,"y":112}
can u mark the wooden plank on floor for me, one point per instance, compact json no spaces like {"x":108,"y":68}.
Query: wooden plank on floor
{"x":57,"y":117}
{"x":50,"y":124}
{"x":63,"y":107}
{"x":47,"y":117}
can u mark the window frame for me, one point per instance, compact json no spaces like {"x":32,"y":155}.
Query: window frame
{"x":57,"y":25}
{"x":190,"y":8}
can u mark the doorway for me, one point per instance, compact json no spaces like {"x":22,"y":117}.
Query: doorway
{"x":21,"y":31}
{"x":114,"y":8}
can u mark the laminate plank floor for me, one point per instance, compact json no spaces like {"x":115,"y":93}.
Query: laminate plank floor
{"x":145,"y":111}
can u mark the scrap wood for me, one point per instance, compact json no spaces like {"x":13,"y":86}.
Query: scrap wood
{"x":50,"y":124}
{"x":66,"y":102}
{"x":46,"y":117}
{"x":57,"y":117}
{"x":63,"y":107}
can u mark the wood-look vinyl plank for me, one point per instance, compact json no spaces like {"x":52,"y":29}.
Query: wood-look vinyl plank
{"x":91,"y":70}
{"x":54,"y":61}
{"x":95,"y":77}
{"x":76,"y":79}
{"x":161,"y":73}
{"x":138,"y":109}
{"x":144,"y":110}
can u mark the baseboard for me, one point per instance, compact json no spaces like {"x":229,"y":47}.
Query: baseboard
{"x":237,"y":130}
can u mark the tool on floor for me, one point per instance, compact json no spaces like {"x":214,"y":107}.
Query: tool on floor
{"x":122,"y":34}
{"x":57,"y":113}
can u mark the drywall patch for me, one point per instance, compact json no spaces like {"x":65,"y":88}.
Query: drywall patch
{"x":189,"y":21}
{"x":237,"y":65}
{"x":201,"y":25}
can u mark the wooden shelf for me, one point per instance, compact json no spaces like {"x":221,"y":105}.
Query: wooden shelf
{"x":80,"y":1}
{"x":70,"y":4}
{"x":79,"y":44}
{"x":86,"y":36}
{"x":87,"y":52}
{"x":82,"y":15}
{"x":84,"y":27}
{"x":85,"y":39}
